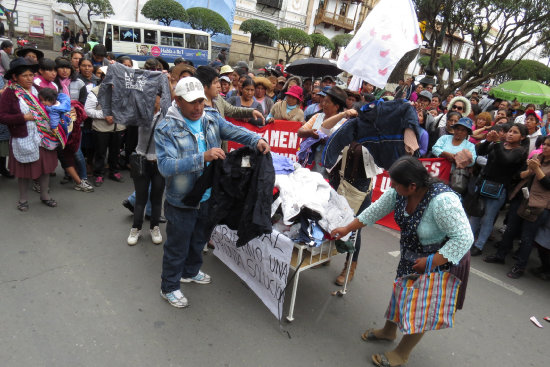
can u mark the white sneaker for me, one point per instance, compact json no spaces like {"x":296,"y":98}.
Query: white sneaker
{"x":83,"y":186}
{"x":175,"y":298}
{"x":156,"y":236}
{"x":200,"y":278}
{"x":205,"y":249}
{"x":134,"y":236}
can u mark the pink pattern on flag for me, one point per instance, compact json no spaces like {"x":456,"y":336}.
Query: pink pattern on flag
{"x":383,"y":71}
{"x":372,"y":32}
{"x":386,"y":37}
{"x":384,"y":53}
{"x":346,"y":57}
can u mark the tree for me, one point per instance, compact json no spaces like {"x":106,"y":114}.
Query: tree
{"x":293,"y":41}
{"x":317,"y":40}
{"x":398,"y":72}
{"x":10,"y":18}
{"x":495,"y":28}
{"x":258,"y":29}
{"x":524,"y":70}
{"x":164,"y":11}
{"x":207,"y":20}
{"x":340,"y":40}
{"x":89,"y":8}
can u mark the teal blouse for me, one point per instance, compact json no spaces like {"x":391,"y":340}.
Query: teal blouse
{"x":444,"y":217}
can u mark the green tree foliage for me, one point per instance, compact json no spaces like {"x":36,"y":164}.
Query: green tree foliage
{"x":319,"y":40}
{"x":524,"y":70}
{"x":207,"y":20}
{"x":164,"y":11}
{"x":495,"y":28}
{"x":258,"y":29}
{"x":89,"y":9}
{"x":340,"y":40}
{"x":293,"y":41}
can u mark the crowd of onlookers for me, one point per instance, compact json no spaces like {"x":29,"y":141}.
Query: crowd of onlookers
{"x":498,"y":149}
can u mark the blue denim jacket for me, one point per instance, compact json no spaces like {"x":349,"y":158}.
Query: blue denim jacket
{"x":178,"y":156}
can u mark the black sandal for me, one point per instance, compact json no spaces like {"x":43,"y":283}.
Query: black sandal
{"x":50,"y":202}
{"x":23,"y":206}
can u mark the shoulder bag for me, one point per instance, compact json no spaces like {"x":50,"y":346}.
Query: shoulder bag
{"x":138,"y":162}
{"x":353,"y":196}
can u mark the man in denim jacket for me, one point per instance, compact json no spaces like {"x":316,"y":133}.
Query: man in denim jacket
{"x":186,"y":140}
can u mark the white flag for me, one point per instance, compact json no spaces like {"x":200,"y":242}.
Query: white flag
{"x":389,"y":31}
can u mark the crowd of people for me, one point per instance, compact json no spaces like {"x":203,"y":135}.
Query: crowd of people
{"x":51,"y":111}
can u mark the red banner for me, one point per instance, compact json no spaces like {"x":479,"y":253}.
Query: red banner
{"x":437,"y":167}
{"x":281,"y":135}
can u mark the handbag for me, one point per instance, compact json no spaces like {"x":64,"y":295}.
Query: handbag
{"x":529,"y":213}
{"x":422,"y":302}
{"x":138,"y":162}
{"x":491,"y":189}
{"x":474,"y":205}
{"x":353,"y":196}
{"x":459,"y":180}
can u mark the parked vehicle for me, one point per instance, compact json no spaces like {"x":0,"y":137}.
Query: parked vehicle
{"x":23,"y":42}
{"x":141,"y":41}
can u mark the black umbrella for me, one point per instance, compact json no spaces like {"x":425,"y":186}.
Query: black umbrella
{"x":314,"y":67}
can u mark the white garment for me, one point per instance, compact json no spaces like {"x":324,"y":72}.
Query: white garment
{"x":27,"y":149}
{"x":305,"y":189}
{"x":533,"y":139}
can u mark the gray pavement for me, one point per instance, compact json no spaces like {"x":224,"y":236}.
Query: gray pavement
{"x":72,"y":293}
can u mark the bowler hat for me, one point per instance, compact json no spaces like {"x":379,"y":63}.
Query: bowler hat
{"x":19,"y":64}
{"x":22,"y":52}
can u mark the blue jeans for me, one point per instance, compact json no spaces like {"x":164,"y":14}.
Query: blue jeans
{"x":132,"y":200}
{"x":185,"y":239}
{"x":80,"y":163}
{"x":482,"y":227}
{"x":516,"y":226}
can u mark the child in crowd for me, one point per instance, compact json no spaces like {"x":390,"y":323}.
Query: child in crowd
{"x":58,"y":106}
{"x":45,"y":77}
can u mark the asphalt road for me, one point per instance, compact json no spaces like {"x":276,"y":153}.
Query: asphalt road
{"x":73,"y":293}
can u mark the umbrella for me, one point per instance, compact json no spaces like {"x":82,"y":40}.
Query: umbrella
{"x":528,"y":91}
{"x":314,"y":67}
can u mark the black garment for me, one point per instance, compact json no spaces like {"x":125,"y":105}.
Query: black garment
{"x":131,"y":136}
{"x":503,"y":165}
{"x":222,"y":57}
{"x":241,"y":195}
{"x":141,"y":185}
{"x":102,"y":142}
{"x":380,"y":129}
{"x":2,"y":29}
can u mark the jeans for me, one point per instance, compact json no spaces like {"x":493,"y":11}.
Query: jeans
{"x":148,"y":186}
{"x":102,"y":142}
{"x":483,"y":226}
{"x":515,"y":226}
{"x":80,"y":163}
{"x":185,"y":239}
{"x":132,"y":200}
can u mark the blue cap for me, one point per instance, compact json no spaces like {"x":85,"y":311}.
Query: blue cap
{"x":466,"y":122}
{"x":324,"y":91}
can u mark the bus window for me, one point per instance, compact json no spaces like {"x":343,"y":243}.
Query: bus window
{"x":178,"y":40}
{"x":149,"y":36}
{"x":196,"y":41}
{"x":166,"y":38}
{"x":98,"y":29}
{"x":130,"y":34}
{"x":116,"y":33}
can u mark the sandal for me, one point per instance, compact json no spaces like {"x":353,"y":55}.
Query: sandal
{"x":381,"y":360}
{"x":50,"y":202}
{"x":369,"y":336}
{"x":23,"y":206}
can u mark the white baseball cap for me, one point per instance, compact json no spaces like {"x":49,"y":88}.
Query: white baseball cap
{"x":190,"y":89}
{"x":224,"y":78}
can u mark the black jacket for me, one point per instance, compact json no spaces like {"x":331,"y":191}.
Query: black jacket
{"x":242,"y":193}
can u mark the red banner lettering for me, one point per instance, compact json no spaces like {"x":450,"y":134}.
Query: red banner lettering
{"x":437,"y":167}
{"x":281,"y":135}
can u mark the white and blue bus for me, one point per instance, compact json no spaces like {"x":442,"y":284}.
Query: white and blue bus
{"x":141,"y":41}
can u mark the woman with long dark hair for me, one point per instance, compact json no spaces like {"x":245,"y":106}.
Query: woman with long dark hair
{"x":432,"y":222}
{"x":504,"y":161}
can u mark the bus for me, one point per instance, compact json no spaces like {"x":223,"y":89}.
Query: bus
{"x":141,"y":41}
